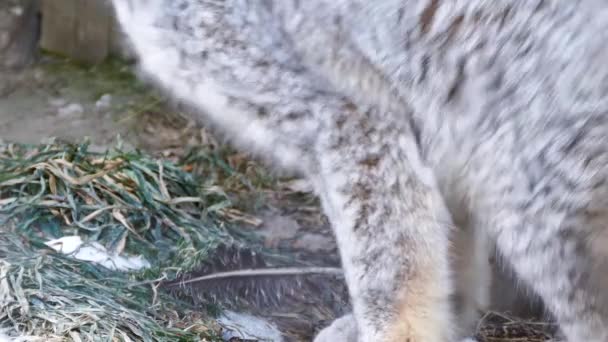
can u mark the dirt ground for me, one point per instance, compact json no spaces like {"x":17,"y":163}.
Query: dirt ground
{"x":36,"y":104}
{"x":56,"y":99}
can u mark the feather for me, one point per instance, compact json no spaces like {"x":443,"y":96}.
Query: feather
{"x":267,"y":272}
{"x":237,"y":276}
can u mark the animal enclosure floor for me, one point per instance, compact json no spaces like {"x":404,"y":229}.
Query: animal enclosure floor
{"x":107,"y":105}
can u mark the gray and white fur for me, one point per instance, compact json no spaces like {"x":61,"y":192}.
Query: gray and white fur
{"x":405,"y":115}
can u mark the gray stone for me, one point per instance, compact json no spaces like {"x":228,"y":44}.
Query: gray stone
{"x":57,"y":102}
{"x":104,"y":102}
{"x":71,"y":110}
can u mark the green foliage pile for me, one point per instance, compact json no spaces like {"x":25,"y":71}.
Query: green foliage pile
{"x":130,"y":203}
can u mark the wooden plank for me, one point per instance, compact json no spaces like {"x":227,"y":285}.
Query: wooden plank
{"x":78,"y":29}
{"x":94,"y":30}
{"x":59,"y":26}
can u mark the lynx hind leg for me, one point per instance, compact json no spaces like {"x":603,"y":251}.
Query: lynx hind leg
{"x":345,"y":329}
{"x":391,"y":227}
{"x":570,"y":280}
{"x":238,"y":73}
{"x":558,"y":247}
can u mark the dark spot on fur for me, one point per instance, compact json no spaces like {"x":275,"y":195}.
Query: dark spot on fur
{"x":504,"y":16}
{"x":598,"y":184}
{"x":540,"y":5}
{"x":363,"y":217}
{"x":340,"y":121}
{"x":293,"y":116}
{"x":427,"y":16}
{"x":370,"y":161}
{"x":400,"y":14}
{"x":425,"y":64}
{"x":456,"y":85}
{"x":338,"y":20}
{"x":262,"y":64}
{"x":361,"y":193}
{"x":572,"y":274}
{"x":496,"y":82}
{"x":338,"y":143}
{"x":455,"y":26}
{"x":416,"y":131}
{"x":262,"y":112}
{"x":349,"y":106}
{"x":477,"y":16}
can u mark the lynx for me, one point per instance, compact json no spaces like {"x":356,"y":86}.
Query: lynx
{"x":411,"y":118}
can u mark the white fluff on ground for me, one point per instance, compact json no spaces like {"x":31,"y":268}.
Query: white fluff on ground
{"x":95,"y":252}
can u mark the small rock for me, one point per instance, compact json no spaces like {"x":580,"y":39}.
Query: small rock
{"x":17,"y":11}
{"x":39,"y":75}
{"x":73,"y":109}
{"x":104,"y":102}
{"x":6,"y":88}
{"x":57,"y":102}
{"x":77,"y":122}
{"x":298,"y":185}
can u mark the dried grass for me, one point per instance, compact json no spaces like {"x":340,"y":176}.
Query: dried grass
{"x":50,"y":297}
{"x":126,"y":201}
{"x":502,"y":327}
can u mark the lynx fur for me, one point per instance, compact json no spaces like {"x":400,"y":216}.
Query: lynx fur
{"x":408,"y":116}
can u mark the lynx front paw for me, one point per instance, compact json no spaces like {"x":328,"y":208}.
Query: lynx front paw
{"x":342,"y":329}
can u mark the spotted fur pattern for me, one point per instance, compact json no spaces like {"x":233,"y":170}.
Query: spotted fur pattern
{"x":405,"y":115}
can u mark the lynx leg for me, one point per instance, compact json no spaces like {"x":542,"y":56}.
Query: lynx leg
{"x":472,"y":279}
{"x":556,"y":243}
{"x":345,"y":329}
{"x":567,"y":276}
{"x":391,"y":227}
